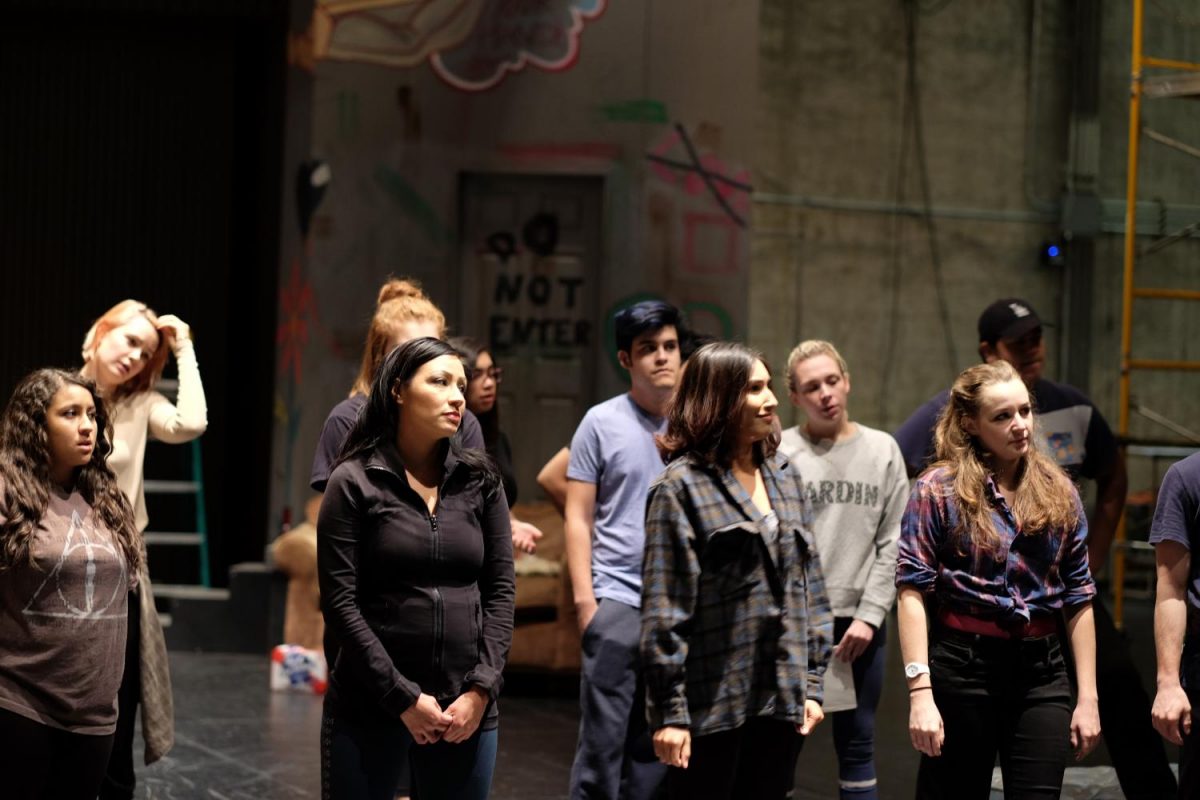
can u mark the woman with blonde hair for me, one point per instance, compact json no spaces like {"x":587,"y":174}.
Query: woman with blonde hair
{"x":994,"y":539}
{"x":125,"y":352}
{"x":402,"y":312}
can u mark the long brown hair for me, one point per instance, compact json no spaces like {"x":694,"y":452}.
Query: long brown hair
{"x":400,"y":301}
{"x":702,"y":418}
{"x":1044,"y":500}
{"x":25,"y":470}
{"x":115,"y":317}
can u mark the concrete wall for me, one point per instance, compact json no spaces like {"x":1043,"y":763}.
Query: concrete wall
{"x":1169,"y":199}
{"x":831,"y":261}
{"x":398,"y":140}
{"x":807,"y":100}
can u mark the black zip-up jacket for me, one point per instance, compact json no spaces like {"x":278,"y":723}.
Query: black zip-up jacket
{"x":418,"y":602}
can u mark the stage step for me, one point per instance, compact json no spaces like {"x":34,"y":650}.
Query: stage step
{"x":245,"y":618}
{"x":183,"y":591}
{"x":173,"y":538}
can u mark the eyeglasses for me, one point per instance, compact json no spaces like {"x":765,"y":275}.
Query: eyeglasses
{"x":495,"y":373}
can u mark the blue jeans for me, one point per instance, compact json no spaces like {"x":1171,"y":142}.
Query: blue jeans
{"x":364,"y":761}
{"x":854,"y":728}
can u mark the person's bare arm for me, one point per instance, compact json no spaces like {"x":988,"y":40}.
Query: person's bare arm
{"x":1111,"y":488}
{"x":577,"y":530}
{"x":1172,"y":712}
{"x":525,"y":535}
{"x":553,"y":479}
{"x":925,"y":727}
{"x":1085,"y":719}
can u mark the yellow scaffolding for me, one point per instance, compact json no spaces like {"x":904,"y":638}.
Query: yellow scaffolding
{"x":1138,"y":86}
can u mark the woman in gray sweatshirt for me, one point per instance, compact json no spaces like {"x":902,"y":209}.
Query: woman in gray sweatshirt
{"x":857,"y":487}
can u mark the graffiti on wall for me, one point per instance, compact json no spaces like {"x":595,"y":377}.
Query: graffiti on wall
{"x":470,"y":44}
{"x":537,"y":297}
{"x":297,"y":315}
{"x":410,"y":201}
{"x":642,"y":110}
{"x":677,"y":160}
{"x":566,"y":152}
{"x":699,"y":206}
{"x":514,"y":34}
{"x":400,"y":33}
{"x":710,"y":244}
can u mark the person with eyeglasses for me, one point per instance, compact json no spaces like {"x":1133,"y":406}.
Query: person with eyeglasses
{"x":483,"y":400}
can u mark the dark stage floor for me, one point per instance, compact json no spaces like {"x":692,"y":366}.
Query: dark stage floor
{"x":238,"y":741}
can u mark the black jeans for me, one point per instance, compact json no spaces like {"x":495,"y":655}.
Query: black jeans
{"x":1189,"y":754}
{"x":614,"y":755}
{"x":43,"y":763}
{"x":753,"y":760}
{"x":998,"y":696}
{"x":1137,"y":751}
{"x":120,"y":778}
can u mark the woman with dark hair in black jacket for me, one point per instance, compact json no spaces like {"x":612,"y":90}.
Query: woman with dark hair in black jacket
{"x":415,"y":567}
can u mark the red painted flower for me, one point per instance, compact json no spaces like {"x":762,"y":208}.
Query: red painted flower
{"x":297,"y":311}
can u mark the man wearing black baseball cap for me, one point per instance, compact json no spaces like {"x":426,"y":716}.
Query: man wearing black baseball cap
{"x":1010,"y":329}
{"x":1079,"y":438}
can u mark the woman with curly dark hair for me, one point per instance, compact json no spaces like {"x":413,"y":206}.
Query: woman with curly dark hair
{"x":68,"y":557}
{"x":736,"y":626}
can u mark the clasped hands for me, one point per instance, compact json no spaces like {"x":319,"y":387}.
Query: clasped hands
{"x":429,"y":723}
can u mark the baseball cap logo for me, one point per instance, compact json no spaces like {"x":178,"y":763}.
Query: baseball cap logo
{"x":1019,"y":310}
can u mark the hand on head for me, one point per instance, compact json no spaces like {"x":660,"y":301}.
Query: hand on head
{"x":173,"y":330}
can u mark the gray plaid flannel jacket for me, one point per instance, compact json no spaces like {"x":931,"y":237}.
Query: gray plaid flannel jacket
{"x":733,"y":626}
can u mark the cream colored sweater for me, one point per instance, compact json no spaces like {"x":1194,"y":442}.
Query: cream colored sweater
{"x":149,"y":414}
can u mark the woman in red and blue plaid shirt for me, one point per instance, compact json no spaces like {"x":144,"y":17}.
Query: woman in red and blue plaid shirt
{"x":994,"y":544}
{"x":736,"y":626}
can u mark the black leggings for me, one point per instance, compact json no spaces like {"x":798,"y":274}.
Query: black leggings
{"x":752,"y":760}
{"x":998,"y":696}
{"x":43,"y":763}
{"x":119,"y":778}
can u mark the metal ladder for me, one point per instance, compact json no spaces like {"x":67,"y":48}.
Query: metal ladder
{"x":198,"y":537}
{"x":1181,"y":80}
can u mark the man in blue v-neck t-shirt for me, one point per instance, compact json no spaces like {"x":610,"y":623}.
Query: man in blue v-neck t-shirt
{"x":614,"y":458}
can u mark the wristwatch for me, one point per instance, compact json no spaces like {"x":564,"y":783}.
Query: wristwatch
{"x":914,"y":668}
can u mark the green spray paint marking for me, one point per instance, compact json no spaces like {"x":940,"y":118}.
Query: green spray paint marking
{"x":636,"y":111}
{"x":412,"y":204}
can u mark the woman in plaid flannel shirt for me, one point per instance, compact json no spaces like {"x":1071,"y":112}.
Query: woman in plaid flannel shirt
{"x":994,"y":539}
{"x":736,"y":626}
